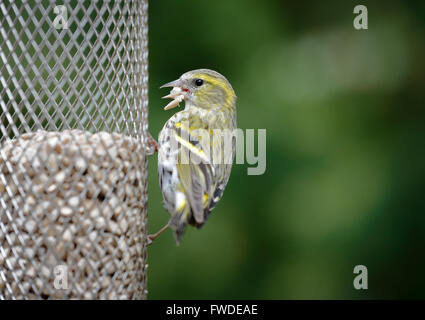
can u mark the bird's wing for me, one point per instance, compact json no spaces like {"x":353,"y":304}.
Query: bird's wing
{"x":195,"y":171}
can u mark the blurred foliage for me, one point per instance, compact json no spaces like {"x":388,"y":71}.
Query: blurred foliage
{"x":344,"y":112}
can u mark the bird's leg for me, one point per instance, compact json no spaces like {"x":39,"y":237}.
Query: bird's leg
{"x":152,"y":145}
{"x":152,"y":237}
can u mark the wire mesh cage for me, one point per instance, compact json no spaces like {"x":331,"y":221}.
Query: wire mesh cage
{"x":73,"y":132}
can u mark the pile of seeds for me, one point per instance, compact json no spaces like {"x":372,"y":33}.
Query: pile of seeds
{"x":72,"y":216}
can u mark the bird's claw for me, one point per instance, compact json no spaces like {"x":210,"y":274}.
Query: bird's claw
{"x":152,"y":145}
{"x":152,"y":237}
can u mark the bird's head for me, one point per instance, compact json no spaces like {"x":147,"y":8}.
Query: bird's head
{"x":202,"y":88}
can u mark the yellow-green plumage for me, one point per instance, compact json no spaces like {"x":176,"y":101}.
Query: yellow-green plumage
{"x":191,"y":189}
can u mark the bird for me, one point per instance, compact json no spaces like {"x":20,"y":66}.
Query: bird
{"x":196,"y":148}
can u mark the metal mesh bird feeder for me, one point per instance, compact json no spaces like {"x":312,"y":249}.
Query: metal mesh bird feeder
{"x":73,"y":133}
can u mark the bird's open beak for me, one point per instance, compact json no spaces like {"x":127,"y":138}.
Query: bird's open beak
{"x":175,"y":83}
{"x":177,"y":94}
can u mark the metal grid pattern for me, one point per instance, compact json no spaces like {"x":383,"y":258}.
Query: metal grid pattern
{"x":73,"y":130}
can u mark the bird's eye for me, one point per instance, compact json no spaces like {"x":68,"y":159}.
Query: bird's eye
{"x":199,"y":82}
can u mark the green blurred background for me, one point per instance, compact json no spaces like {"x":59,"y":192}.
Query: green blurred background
{"x":344,"y":113}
